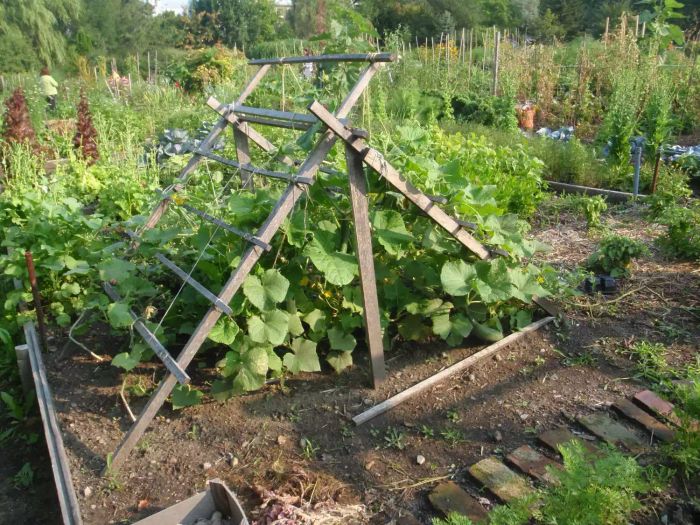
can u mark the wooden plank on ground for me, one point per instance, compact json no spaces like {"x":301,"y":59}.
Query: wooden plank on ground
{"x":612,"y":432}
{"x":534,"y":464}
{"x":651,"y":402}
{"x":399,"y":398}
{"x":500,"y":480}
{"x":562,"y":436}
{"x":368,"y":279}
{"x":652,"y":425}
{"x":448,"y":497}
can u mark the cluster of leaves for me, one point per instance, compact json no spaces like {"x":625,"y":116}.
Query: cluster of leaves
{"x":682,"y":237}
{"x":307,"y":302}
{"x":17,"y":127}
{"x":85,"y":139}
{"x":205,"y":67}
{"x":614,"y":255}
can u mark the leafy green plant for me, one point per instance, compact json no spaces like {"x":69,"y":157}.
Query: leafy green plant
{"x":650,"y":360}
{"x":682,"y":237}
{"x":453,"y":519}
{"x":24,"y":477}
{"x":594,"y":489}
{"x":592,"y":208}
{"x":394,"y":438}
{"x":615,"y":254}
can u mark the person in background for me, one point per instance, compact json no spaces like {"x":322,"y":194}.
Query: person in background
{"x":48,"y":87}
{"x":307,"y":69}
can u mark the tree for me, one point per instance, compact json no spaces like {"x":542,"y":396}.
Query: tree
{"x":239,"y":23}
{"x":38,"y":24}
{"x":313,"y":17}
{"x":548,"y":27}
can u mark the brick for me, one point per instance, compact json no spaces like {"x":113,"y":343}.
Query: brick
{"x":650,"y":424}
{"x":500,"y":480}
{"x":534,"y":464}
{"x":650,"y":402}
{"x":561,"y":436}
{"x":449,"y":497}
{"x":612,"y":432}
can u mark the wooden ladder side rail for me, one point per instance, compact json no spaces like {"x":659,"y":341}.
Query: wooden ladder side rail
{"x":377,"y":162}
{"x":174,"y":369}
{"x":266,"y":232}
{"x":207,"y":143}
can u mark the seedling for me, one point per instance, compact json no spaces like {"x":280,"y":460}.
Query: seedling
{"x":453,"y":436}
{"x":394,"y":438}
{"x":309,"y":450}
{"x":427,"y":431}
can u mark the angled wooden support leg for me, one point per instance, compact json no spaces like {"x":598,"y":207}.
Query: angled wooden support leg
{"x":243,"y":154}
{"x":368,"y":279}
{"x":284,"y":207}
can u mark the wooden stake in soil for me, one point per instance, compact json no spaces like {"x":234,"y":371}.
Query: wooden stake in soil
{"x":448,"y":372}
{"x":37,"y":299}
{"x":496,"y":60}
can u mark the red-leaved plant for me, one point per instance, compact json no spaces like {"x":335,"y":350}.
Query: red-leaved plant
{"x":85,"y":140}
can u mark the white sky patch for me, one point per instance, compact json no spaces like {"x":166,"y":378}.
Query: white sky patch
{"x":170,"y":5}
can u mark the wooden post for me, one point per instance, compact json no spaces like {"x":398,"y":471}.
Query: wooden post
{"x":607,"y":30}
{"x":155,"y":69}
{"x":148,"y":78}
{"x":471,"y":55}
{"x":363,"y":238}
{"x":243,"y":154}
{"x":636,"y":26}
{"x":138,"y":65}
{"x":496,"y":59}
{"x":644,"y":29}
{"x":657,"y":166}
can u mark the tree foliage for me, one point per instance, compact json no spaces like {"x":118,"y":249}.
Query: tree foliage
{"x":39,"y":25}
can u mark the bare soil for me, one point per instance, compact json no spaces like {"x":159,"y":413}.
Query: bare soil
{"x":253,"y":442}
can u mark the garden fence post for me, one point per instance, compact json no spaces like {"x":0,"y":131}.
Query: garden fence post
{"x":637,"y":169}
{"x":496,"y":59}
{"x":657,"y":166}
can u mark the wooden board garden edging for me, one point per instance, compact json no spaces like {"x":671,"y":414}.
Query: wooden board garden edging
{"x":399,"y":398}
{"x":67,"y":499}
{"x":612,"y":195}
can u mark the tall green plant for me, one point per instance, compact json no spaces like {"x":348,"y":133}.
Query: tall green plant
{"x":620,"y":119}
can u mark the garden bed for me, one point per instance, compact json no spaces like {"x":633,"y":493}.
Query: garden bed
{"x":526,"y":388}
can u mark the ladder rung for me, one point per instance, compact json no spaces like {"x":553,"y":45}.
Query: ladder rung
{"x":354,"y":57}
{"x":245,"y":235}
{"x":252,"y":169}
{"x":182,"y":274}
{"x":301,"y":126}
{"x":438,"y":199}
{"x":466,"y":224}
{"x":151,"y":340}
{"x":274,"y":114}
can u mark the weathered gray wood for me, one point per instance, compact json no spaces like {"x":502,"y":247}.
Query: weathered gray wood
{"x":243,"y":156}
{"x":368,"y":279}
{"x":151,"y":340}
{"x":182,"y":274}
{"x":284,"y":206}
{"x":206,"y":144}
{"x":377,"y":162}
{"x":273,"y":114}
{"x":611,"y":195}
{"x":447,"y":372}
{"x":298,"y":126}
{"x":221,"y":224}
{"x":68,"y":502}
{"x":353,"y":57}
{"x":256,"y":171}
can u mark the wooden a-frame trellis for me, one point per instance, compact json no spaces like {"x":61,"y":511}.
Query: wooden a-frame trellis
{"x":357,"y":153}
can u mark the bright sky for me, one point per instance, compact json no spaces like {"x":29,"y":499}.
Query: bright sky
{"x":171,"y":5}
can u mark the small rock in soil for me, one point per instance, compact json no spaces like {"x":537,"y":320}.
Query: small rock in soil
{"x":472,"y":378}
{"x":420,"y":459}
{"x":367,"y":401}
{"x":369,"y":465}
{"x":497,"y":436}
{"x":281,"y":440}
{"x":87,"y":491}
{"x":206,"y":465}
{"x":234,"y":461}
{"x":498,"y":357}
{"x":303,"y":442}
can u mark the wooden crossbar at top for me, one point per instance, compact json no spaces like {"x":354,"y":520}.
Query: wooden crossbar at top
{"x":352,"y":57}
